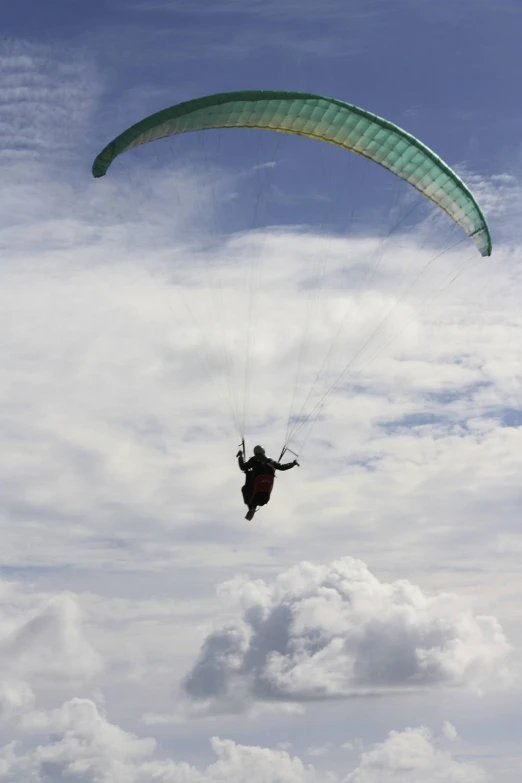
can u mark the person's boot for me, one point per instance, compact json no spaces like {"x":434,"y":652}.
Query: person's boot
{"x":250,"y":513}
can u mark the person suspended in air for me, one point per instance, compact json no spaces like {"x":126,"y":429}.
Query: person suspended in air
{"x":259,"y":479}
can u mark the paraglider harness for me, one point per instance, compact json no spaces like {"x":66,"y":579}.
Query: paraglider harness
{"x":261,"y":489}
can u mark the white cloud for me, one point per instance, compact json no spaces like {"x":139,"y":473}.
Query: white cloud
{"x":15,"y":697}
{"x":49,"y":642}
{"x":153,"y":719}
{"x":86,"y":744}
{"x":332,"y":631}
{"x":319,"y":750}
{"x":77,"y":740}
{"x":42,"y":645}
{"x":411,"y":757}
{"x":44,"y":653}
{"x":449,"y":731}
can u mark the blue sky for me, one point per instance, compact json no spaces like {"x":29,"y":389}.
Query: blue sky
{"x":435,"y":69}
{"x":367,"y":626}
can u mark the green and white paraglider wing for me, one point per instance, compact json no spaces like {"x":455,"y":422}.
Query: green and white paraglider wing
{"x":324,"y":119}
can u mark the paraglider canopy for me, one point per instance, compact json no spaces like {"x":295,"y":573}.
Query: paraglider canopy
{"x":325,"y":119}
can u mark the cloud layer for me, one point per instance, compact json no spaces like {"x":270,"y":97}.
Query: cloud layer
{"x":87,"y":746}
{"x":116,"y":479}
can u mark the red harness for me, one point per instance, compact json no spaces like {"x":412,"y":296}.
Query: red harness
{"x":262,"y":484}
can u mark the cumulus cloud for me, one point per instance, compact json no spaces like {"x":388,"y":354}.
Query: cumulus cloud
{"x":411,"y":757}
{"x":322,"y":632}
{"x":87,"y":745}
{"x":77,"y":740}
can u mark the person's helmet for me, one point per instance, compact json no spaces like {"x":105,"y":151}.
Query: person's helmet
{"x":258,"y":450}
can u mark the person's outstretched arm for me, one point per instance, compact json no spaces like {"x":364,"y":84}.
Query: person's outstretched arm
{"x":286,"y":465}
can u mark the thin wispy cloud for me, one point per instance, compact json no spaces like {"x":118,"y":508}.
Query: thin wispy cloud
{"x":44,"y":102}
